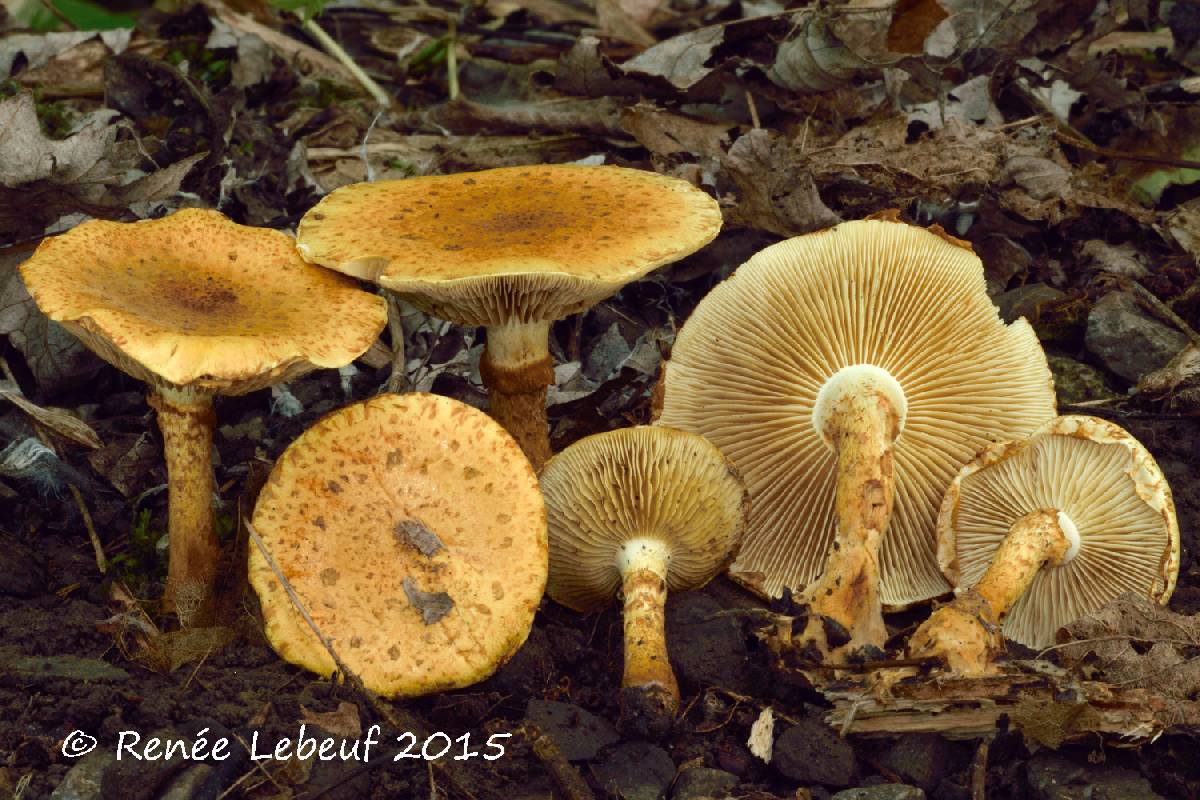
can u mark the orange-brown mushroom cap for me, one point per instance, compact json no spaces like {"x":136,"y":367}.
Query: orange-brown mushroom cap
{"x":195,"y":300}
{"x":1108,"y":486}
{"x":509,"y":245}
{"x":413,"y":530}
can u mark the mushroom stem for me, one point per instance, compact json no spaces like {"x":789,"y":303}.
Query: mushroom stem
{"x":846,"y":612}
{"x":965,"y":634}
{"x":516,"y":368}
{"x":187,"y":421}
{"x":649,"y":691}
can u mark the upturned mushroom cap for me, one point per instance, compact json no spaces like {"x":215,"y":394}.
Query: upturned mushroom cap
{"x":749,"y":363}
{"x":413,"y":530}
{"x":1116,"y":499}
{"x":516,"y":244}
{"x":196,"y":300}
{"x":639,"y":483}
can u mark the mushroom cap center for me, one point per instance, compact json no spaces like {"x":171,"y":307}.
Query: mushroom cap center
{"x":857,"y":379}
{"x":644,"y":552}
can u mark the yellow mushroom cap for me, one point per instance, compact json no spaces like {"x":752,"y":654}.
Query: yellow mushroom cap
{"x":639,"y":483}
{"x":413,"y":530}
{"x":196,"y":300}
{"x":509,"y":245}
{"x":1111,"y":489}
{"x":747,"y":367}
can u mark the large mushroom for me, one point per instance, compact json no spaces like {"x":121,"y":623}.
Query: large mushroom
{"x":412,"y":530}
{"x":848,"y":373}
{"x":639,"y":512}
{"x":1037,"y":533}
{"x":513,"y":249}
{"x":196,"y":306}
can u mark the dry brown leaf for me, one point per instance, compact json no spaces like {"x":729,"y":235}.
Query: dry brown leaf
{"x":664,"y":133}
{"x":616,"y":23}
{"x":1134,"y":642}
{"x":169,"y":651}
{"x":1177,"y":383}
{"x":344,"y":722}
{"x":59,"y":420}
{"x":28,"y":155}
{"x":912,"y":23}
{"x":775,"y":186}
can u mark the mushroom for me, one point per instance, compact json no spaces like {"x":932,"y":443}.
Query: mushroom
{"x":412,"y":529}
{"x":513,"y":249}
{"x":641,"y":511}
{"x":848,"y":373}
{"x":196,"y":305}
{"x":1044,"y":531}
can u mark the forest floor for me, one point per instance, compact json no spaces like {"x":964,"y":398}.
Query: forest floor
{"x":1060,"y":139}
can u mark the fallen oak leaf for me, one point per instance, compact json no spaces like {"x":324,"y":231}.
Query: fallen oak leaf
{"x":28,"y":155}
{"x":343,"y":722}
{"x":59,"y":420}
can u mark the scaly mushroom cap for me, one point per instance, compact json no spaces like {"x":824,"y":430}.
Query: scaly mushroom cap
{"x":413,"y":530}
{"x":747,"y":366}
{"x":517,"y":244}
{"x":639,"y":483}
{"x":196,"y":300}
{"x":1109,"y":487}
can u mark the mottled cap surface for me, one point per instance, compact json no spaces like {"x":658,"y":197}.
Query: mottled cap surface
{"x":748,"y":364}
{"x":516,"y":244}
{"x":633,"y":483}
{"x":196,"y":300}
{"x":412,"y":529}
{"x":1109,"y":486}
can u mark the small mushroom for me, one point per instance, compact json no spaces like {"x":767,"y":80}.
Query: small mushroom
{"x":1038,"y":533}
{"x":513,"y":249}
{"x":196,"y":305}
{"x":412,"y":529}
{"x":848,"y":373}
{"x":641,"y":511}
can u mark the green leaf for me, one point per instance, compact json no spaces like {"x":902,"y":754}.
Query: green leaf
{"x":84,"y":15}
{"x":305,"y":9}
{"x":1149,"y":188}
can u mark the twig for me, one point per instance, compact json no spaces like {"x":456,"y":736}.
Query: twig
{"x":1160,"y":309}
{"x":979,"y":768}
{"x":338,"y":52}
{"x":363,"y":151}
{"x":97,"y":547}
{"x":866,"y":666}
{"x":199,"y":664}
{"x":58,"y":15}
{"x":1124,"y":638}
{"x":259,"y":766}
{"x":566,"y":778}
{"x":754,"y":120}
{"x":452,"y":57}
{"x":1181,"y":163}
{"x":407,"y":723}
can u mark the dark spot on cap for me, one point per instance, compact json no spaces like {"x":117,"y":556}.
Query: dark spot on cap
{"x":415,"y":534}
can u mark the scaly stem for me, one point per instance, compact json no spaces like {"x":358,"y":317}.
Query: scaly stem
{"x":845,"y":610}
{"x":187,"y":423}
{"x":516,"y":368}
{"x":965,"y":634}
{"x":649,"y":691}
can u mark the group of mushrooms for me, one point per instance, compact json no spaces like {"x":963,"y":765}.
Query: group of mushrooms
{"x":845,"y":415}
